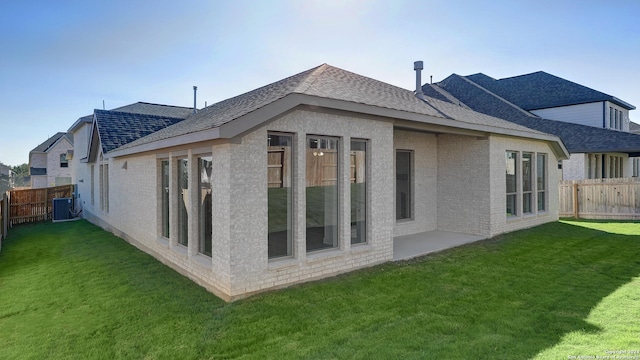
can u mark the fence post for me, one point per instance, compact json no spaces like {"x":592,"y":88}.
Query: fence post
{"x":575,"y":201}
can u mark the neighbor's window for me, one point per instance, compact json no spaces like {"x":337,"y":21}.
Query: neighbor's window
{"x":93,"y":181}
{"x":512,"y":183}
{"x":636,"y":167}
{"x":358,"y":180}
{"x":322,"y":192}
{"x":164,"y":174}
{"x":183,"y":200}
{"x":404,"y":201}
{"x":63,"y":161}
{"x":104,"y":187}
{"x":611,"y":118}
{"x":205,"y":168}
{"x":279,"y":194}
{"x":527,"y":183}
{"x":541,"y":181}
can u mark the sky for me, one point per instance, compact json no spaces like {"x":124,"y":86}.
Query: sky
{"x":59,"y":60}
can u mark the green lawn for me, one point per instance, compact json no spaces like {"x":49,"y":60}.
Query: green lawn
{"x":72,"y":291}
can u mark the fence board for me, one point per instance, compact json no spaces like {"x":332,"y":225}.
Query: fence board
{"x":32,"y":205}
{"x":600,"y":198}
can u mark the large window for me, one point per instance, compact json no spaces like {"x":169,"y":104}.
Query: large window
{"x":164,"y":173}
{"x":183,"y":201}
{"x":512,"y":183}
{"x":404,"y":201}
{"x":279,"y":192}
{"x":541,"y":181}
{"x":205,"y":167}
{"x":527,"y":183}
{"x":93,"y":182}
{"x":322,"y":156}
{"x":358,"y":180}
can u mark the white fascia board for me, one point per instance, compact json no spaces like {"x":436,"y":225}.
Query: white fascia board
{"x":204,"y":135}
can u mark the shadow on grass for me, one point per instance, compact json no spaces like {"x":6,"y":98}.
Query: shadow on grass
{"x":509,"y":297}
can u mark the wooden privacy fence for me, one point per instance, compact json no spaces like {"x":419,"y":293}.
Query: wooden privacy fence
{"x":4,"y":219}
{"x":32,"y":205}
{"x":600,"y":198}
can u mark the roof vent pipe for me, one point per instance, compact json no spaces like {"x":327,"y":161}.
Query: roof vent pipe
{"x":418,"y":66}
{"x":195,"y":109}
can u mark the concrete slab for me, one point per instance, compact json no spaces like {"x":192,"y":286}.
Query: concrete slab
{"x":410,"y":246}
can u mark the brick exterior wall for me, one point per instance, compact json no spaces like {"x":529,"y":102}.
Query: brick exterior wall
{"x":463,"y":184}
{"x":425,"y":181}
{"x":459,"y":185}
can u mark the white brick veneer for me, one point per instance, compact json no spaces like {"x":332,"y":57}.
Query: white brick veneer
{"x":424,"y":184}
{"x":459,"y":185}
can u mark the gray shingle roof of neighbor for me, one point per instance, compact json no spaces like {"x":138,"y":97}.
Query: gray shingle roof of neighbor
{"x":327,"y":82}
{"x":117,"y":128}
{"x":633,"y":127}
{"x":156,"y":109}
{"x":51,"y":141}
{"x":577,"y":138}
{"x":540,"y":90}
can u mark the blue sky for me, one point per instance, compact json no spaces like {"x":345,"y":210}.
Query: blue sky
{"x":61,"y":59}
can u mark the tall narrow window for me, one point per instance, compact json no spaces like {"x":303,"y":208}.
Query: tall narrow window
{"x":611,"y":118}
{"x":63,"y":161}
{"x":183,"y":201}
{"x":279,"y":197}
{"x":322,"y":192}
{"x":164,"y":173}
{"x":104,"y":187}
{"x":93,"y":181}
{"x":527,"y":184}
{"x":205,"y":167}
{"x":541,"y":181}
{"x":358,"y":182}
{"x":404,"y":196}
{"x":512,"y":183}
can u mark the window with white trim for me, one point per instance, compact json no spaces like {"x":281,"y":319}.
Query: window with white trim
{"x":527,"y":183}
{"x":541,"y":181}
{"x":512,"y":183}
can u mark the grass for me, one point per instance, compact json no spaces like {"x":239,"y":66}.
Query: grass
{"x":72,"y":291}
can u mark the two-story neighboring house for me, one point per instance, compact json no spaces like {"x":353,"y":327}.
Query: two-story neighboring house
{"x":595,"y":126}
{"x":48,"y":162}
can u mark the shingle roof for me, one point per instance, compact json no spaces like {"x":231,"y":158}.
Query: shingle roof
{"x":633,"y":127}
{"x":156,"y":109}
{"x":51,"y":141}
{"x":326,"y":82}
{"x":540,"y":90}
{"x":118,"y":128}
{"x":577,"y":138}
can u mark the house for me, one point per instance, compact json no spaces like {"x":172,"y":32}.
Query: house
{"x":599,"y":141}
{"x":48,"y":163}
{"x":6,"y":178}
{"x":81,"y":129}
{"x":308,"y":177}
{"x":634,"y":128}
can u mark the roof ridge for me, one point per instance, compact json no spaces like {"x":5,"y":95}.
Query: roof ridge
{"x":499,"y":97}
{"x":310,"y":79}
{"x":148,"y":103}
{"x":138,"y":114}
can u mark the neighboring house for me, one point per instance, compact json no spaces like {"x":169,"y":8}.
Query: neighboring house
{"x":308,"y":177}
{"x":48,"y":162}
{"x":596,"y":152}
{"x":6,"y":178}
{"x":82,"y":128}
{"x":634,"y":128}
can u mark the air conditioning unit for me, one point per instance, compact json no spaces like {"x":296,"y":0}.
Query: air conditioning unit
{"x":62,"y":209}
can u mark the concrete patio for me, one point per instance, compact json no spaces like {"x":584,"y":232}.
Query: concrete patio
{"x":410,"y":246}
